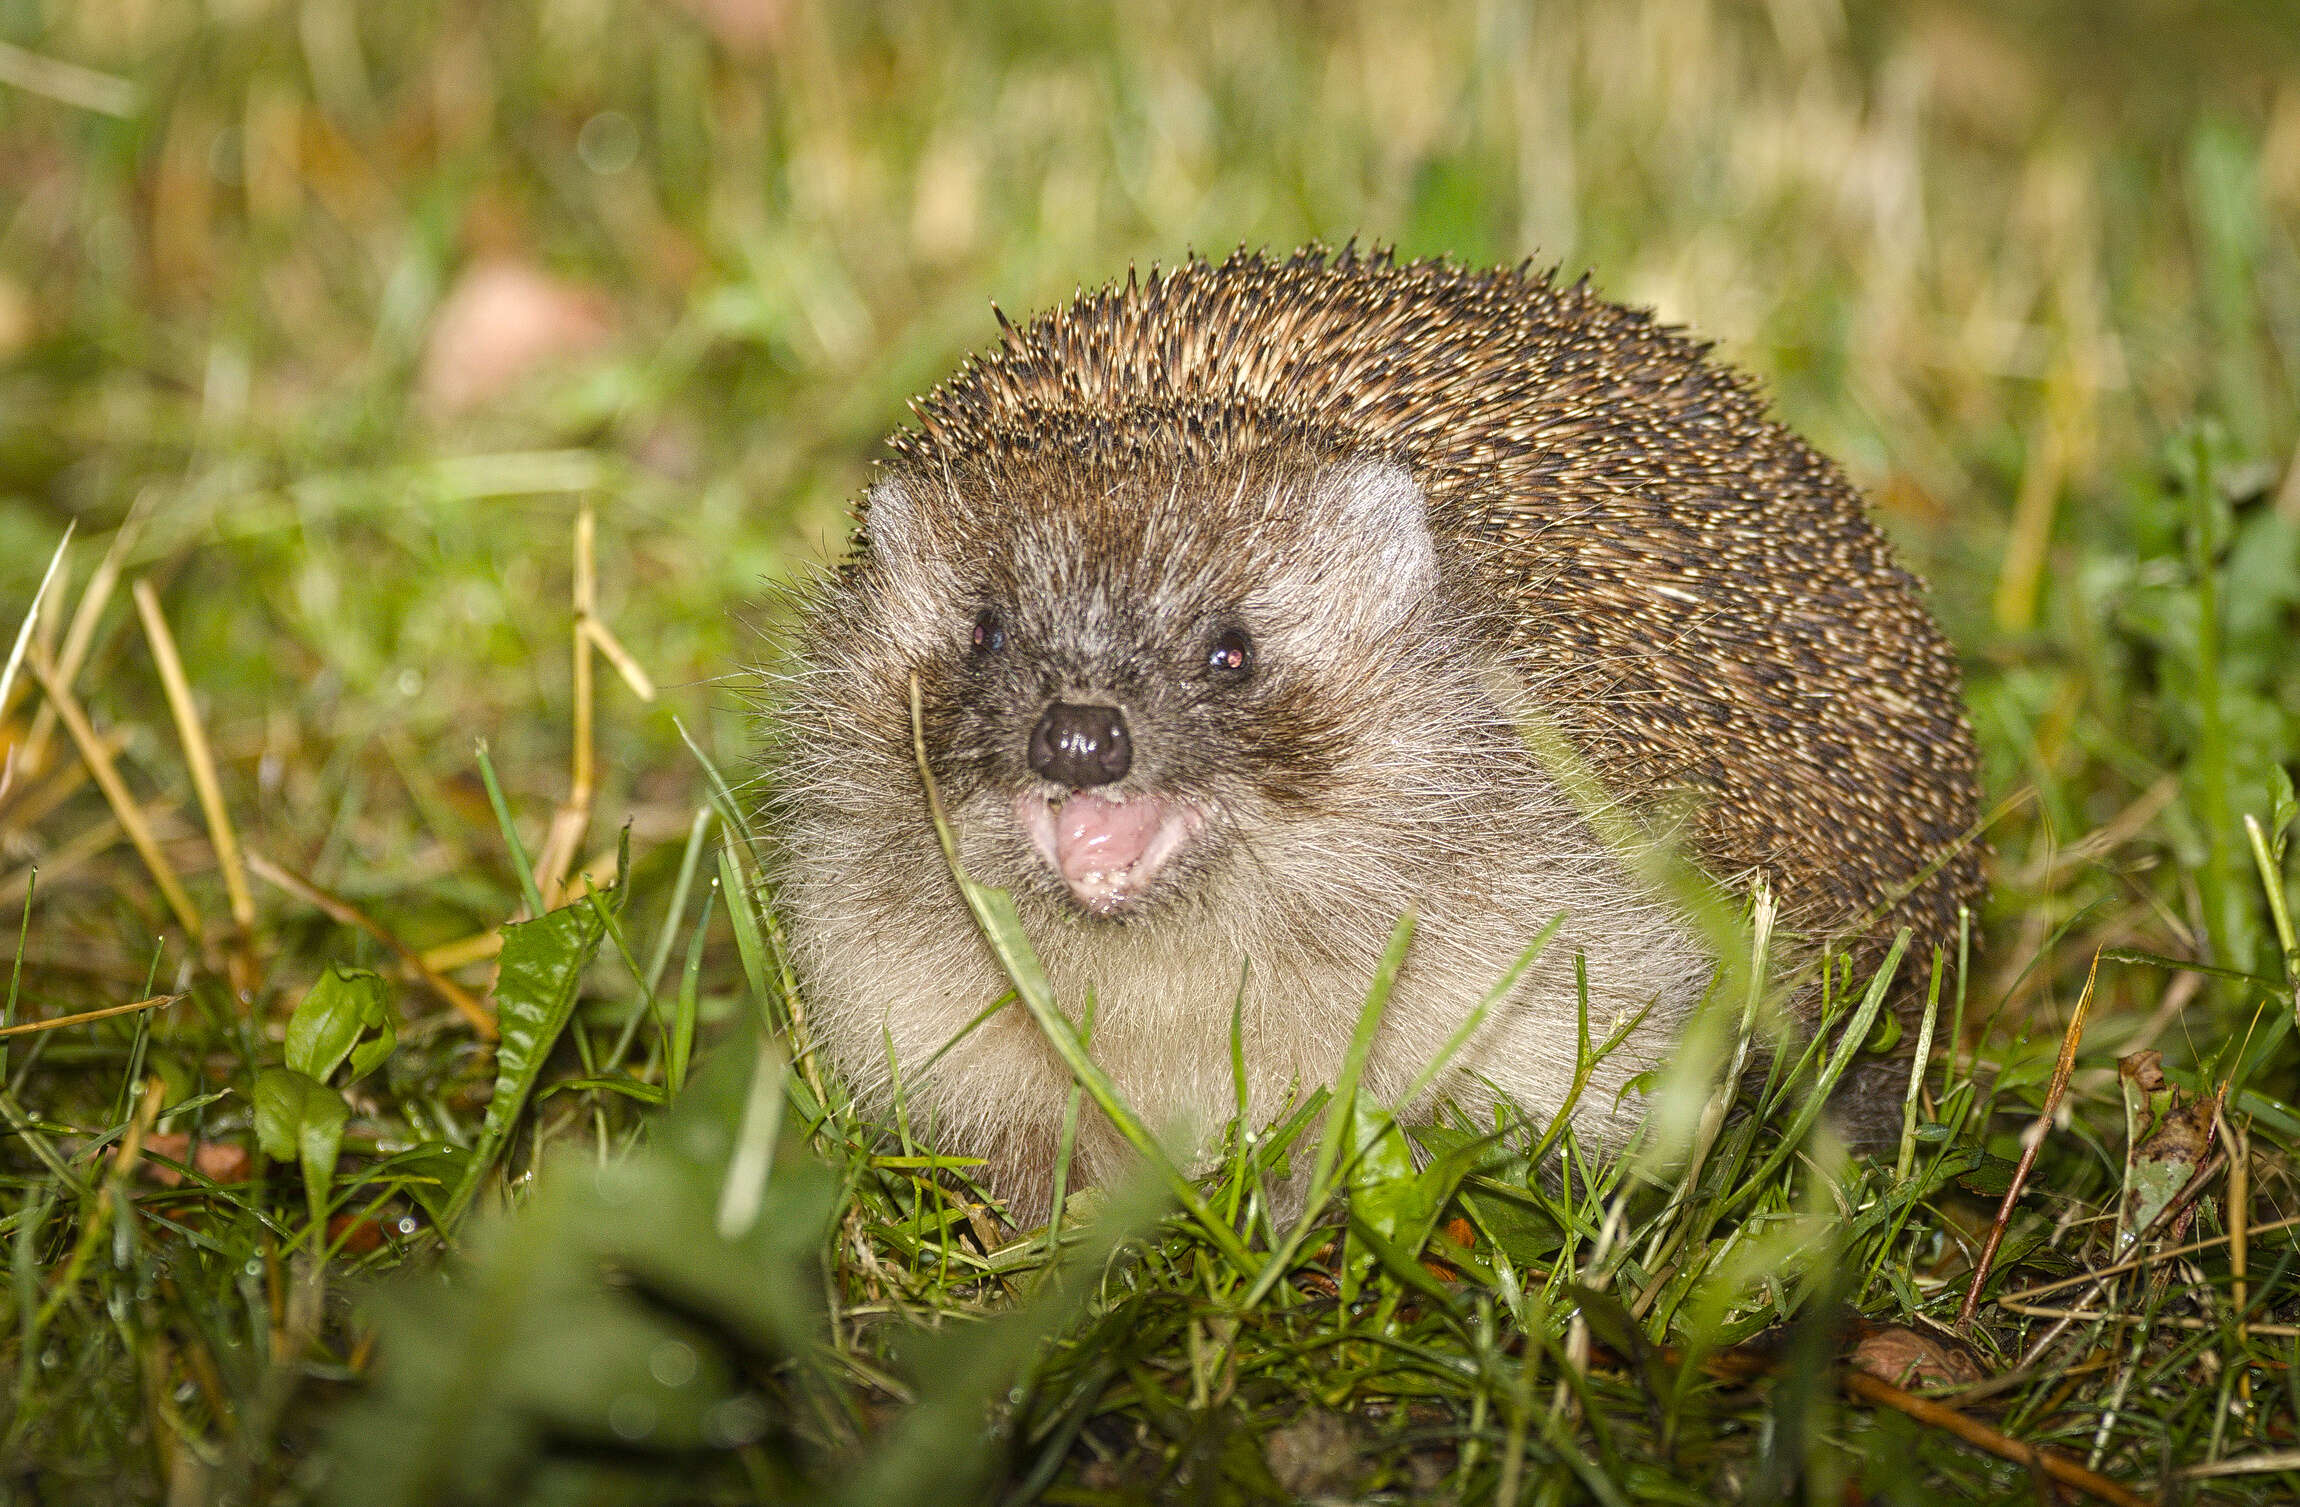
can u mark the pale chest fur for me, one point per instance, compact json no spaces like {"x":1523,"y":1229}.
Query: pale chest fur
{"x":892,"y":982}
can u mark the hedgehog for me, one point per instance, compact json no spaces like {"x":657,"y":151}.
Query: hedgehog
{"x":1252,"y":604}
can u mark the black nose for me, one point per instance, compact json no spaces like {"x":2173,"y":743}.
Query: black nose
{"x":1080,"y":746}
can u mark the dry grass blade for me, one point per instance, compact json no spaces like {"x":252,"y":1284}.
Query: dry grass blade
{"x":351,"y":915}
{"x":2062,"y":1071}
{"x":98,"y":758}
{"x":38,"y":800}
{"x":31,"y":617}
{"x":626,"y":665}
{"x":573,"y":817}
{"x":31,"y":1026}
{"x":67,"y":83}
{"x":2238,"y":1139}
{"x":476,"y":948}
{"x":80,"y":637}
{"x":197,"y":754}
{"x":2146,"y":1258}
{"x":2121,"y":1318}
{"x":2244,"y":1465}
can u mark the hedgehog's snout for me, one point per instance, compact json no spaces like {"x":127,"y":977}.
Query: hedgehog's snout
{"x":1081,"y":746}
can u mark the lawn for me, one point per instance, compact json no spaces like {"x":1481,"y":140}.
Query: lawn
{"x":406,"y":414}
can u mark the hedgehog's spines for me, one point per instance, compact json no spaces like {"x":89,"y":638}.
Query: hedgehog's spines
{"x":1698,"y":595}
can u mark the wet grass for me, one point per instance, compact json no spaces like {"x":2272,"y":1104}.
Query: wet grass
{"x":264,"y":273}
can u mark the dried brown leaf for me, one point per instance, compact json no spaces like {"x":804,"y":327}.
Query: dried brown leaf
{"x":502,"y":322}
{"x":1907,"y":1358}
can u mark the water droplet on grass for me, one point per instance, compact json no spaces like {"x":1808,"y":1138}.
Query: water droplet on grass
{"x":672,"y":1363}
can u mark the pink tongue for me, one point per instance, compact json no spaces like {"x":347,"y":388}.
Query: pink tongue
{"x":1099,"y":840}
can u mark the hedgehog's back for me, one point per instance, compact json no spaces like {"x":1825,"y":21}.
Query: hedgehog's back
{"x":1699,"y":599}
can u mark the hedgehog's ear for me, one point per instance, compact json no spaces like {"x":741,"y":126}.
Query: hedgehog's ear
{"x":1385,"y":523}
{"x":901,"y":536}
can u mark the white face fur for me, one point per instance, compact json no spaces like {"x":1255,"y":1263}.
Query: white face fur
{"x":1215,"y":733}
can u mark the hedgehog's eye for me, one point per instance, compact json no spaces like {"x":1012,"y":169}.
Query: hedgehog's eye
{"x":989,"y":632}
{"x":1231,"y":653}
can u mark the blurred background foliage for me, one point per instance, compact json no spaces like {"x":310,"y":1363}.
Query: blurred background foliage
{"x":354,"y":301}
{"x":325,"y":317}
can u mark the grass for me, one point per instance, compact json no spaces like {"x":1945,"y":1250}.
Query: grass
{"x":2030,"y":275}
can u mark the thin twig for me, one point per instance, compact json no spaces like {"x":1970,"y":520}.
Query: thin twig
{"x":1980,"y":1436}
{"x":351,"y":915}
{"x":61,"y":1021}
{"x":1740,"y":1365}
{"x":2061,"y":1073}
{"x":99,"y":761}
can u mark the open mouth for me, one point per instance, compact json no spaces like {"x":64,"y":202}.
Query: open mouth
{"x":1107,"y":851}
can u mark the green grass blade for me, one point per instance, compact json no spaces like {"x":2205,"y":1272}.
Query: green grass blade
{"x":16,"y":969}
{"x":690,"y":860}
{"x":518,"y":850}
{"x":690,"y":984}
{"x":1848,"y":1044}
{"x":749,"y":945}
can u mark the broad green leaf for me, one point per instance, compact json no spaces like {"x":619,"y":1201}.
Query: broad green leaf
{"x":300,"y":1119}
{"x":541,"y":969}
{"x":1989,"y":1177}
{"x":1437,"y":1183}
{"x":609,"y":1313}
{"x":326,"y":1028}
{"x":2166,"y":1137}
{"x":1399,"y":1262}
{"x":538,"y":976}
{"x":1381,"y":1183}
{"x":278,"y":1100}
{"x":432,"y":1171}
